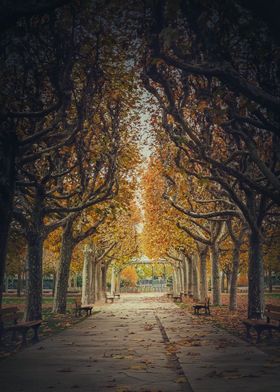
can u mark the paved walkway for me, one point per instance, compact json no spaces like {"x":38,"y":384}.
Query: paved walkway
{"x":141,"y":343}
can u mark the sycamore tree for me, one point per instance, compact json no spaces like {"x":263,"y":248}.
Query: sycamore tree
{"x":219,"y":101}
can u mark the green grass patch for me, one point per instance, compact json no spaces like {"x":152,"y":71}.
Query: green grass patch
{"x":272,"y":295}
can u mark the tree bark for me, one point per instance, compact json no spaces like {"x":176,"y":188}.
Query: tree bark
{"x":67,"y":246}
{"x":54,"y":283}
{"x":104,"y":269}
{"x":185,"y":273}
{"x":175,"y":281}
{"x":86,"y":275}
{"x":270,"y":284}
{"x":34,"y":277}
{"x":113,"y":281}
{"x":19,"y":282}
{"x":216,"y":278}
{"x":98,"y":281}
{"x":190,"y":276}
{"x":181,"y":278}
{"x":255,"y":277}
{"x":118,"y":282}
{"x":202,"y":254}
{"x":196,"y":293}
{"x":8,"y":145}
{"x":234,"y":276}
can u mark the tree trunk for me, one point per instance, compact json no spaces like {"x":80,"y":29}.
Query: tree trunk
{"x":104,"y":269}
{"x":202,"y":254}
{"x":8,"y":145}
{"x":228,"y":280}
{"x":216,"y":278}
{"x":98,"y":281}
{"x":118,"y":282}
{"x":92,"y":293}
{"x":34,"y":277}
{"x":196,"y":293}
{"x":255,"y":277}
{"x":54,"y":283}
{"x":175,"y":281}
{"x":86,"y":275}
{"x":113,"y":281}
{"x":223,"y":283}
{"x":270,"y":284}
{"x":234,"y":277}
{"x":62,"y":278}
{"x":181,"y":278}
{"x":19,"y":281}
{"x":185,"y":273}
{"x":190,"y":276}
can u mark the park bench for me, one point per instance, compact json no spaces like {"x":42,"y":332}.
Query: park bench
{"x":9,"y":322}
{"x":272,"y":321}
{"x":109,"y":297}
{"x":205,"y":305}
{"x":177,"y":298}
{"x":79,"y":308}
{"x":117,"y":295}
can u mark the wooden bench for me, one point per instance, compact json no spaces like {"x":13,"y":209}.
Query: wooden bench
{"x":79,"y":308}
{"x":205,"y":305}
{"x":109,"y":297}
{"x":272,"y":321}
{"x":9,"y":322}
{"x":117,"y":295}
{"x":177,"y":298}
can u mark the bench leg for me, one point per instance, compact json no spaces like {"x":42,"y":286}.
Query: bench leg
{"x":248,"y":335}
{"x":36,"y":333}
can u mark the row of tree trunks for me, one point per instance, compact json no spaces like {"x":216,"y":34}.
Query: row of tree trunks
{"x":94,"y":284}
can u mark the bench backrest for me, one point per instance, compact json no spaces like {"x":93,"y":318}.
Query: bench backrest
{"x":272,"y":308}
{"x":272,"y":312}
{"x":9,"y":315}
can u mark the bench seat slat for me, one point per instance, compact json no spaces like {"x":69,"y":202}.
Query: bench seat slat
{"x":261,"y":323}
{"x":23,"y":325}
{"x":11,"y":309}
{"x":272,"y":315}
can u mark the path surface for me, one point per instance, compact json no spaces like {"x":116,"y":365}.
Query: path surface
{"x":140,"y":343}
